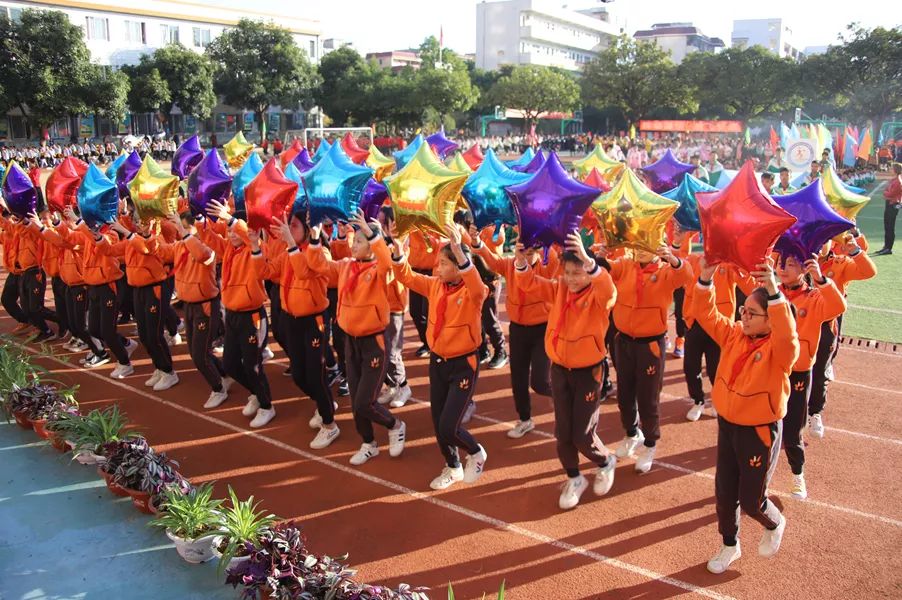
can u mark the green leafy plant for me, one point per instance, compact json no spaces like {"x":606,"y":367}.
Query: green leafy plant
{"x":16,"y":372}
{"x":499,"y":597}
{"x":189,"y":516}
{"x":92,"y":431}
{"x":241,"y":528}
{"x":134,"y":465}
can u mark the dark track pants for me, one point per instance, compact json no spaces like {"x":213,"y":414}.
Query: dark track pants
{"x":242,"y":356}
{"x":640,"y":378}
{"x":202,"y":320}
{"x":576,"y":394}
{"x":366,"y":362}
{"x":306,"y":340}
{"x":529,"y":364}
{"x":452,"y":383}
{"x":699,"y":344}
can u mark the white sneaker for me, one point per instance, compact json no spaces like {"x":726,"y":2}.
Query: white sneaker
{"x":475,"y":466}
{"x":521,"y":429}
{"x":173,"y":340}
{"x":469,"y":412}
{"x":166,"y":381}
{"x":122,"y":371}
{"x":447,"y":478}
{"x":250,"y":409}
{"x":770,"y":541}
{"x":387,"y":395}
{"x":396,"y":440}
{"x":402,"y":396}
{"x":216,"y":398}
{"x":325,"y":437}
{"x":157,"y":374}
{"x":572,"y":492}
{"x":816,"y":425}
{"x":316,"y":421}
{"x":267,"y":355}
{"x":366,"y":452}
{"x":604,"y":478}
{"x":799,"y":490}
{"x":644,"y":459}
{"x":181,"y":325}
{"x":217,"y":351}
{"x":264,"y":416}
{"x":695,"y":412}
{"x":829,"y":373}
{"x":723,"y":559}
{"x":130,"y":347}
{"x":627,"y":448}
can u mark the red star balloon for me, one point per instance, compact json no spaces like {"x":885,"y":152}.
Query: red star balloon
{"x":290,"y":153}
{"x":353,"y":149}
{"x":474,"y":156}
{"x":741,"y":223}
{"x":268,"y":195}
{"x":61,"y":188}
{"x":596,"y":180}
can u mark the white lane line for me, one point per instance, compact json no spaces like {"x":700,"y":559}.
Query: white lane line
{"x":873,"y":309}
{"x":845,"y":347}
{"x":869,"y":387}
{"x":865,"y":435}
{"x":400,"y":489}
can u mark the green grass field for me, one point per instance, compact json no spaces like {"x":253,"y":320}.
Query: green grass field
{"x":875,"y":306}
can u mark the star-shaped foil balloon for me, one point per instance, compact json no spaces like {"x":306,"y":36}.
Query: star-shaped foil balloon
{"x":302,"y":161}
{"x":402,"y":157}
{"x":424,"y":193}
{"x":154,"y":191}
{"x":844,"y":201}
{"x":98,"y":198}
{"x":127,"y":171}
{"x":268,"y":196}
{"x":523,"y":159}
{"x":245,"y":175}
{"x":357,"y":154}
{"x":550,"y":205}
{"x":321,"y":150}
{"x":474,"y":156}
{"x":381,"y":164}
{"x":687,"y":214}
{"x":459,"y":164}
{"x":61,"y":188}
{"x":741,"y":224}
{"x":633,"y":216}
{"x":666,"y":173}
{"x":237,"y":150}
{"x":114,"y":166}
{"x":186,"y":157}
{"x":290,"y":153}
{"x":441,"y":145}
{"x":210,"y":180}
{"x":333,"y":186}
{"x":300,"y":200}
{"x":18,"y":191}
{"x":598,"y":159}
{"x":534,"y":165}
{"x":816,"y":224}
{"x":485,"y":195}
{"x":724,"y":178}
{"x":596,"y":180}
{"x":374,"y":196}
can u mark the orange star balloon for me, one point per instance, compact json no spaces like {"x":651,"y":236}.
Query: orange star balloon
{"x":609,"y":168}
{"x":847,"y":203}
{"x":425,"y":193}
{"x":633,"y":216}
{"x":237,"y":150}
{"x":154,"y":190}
{"x":381,"y":164}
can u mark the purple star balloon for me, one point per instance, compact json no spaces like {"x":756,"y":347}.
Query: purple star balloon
{"x":18,"y":191}
{"x":442,"y":146}
{"x":302,"y":161}
{"x":186,"y":157}
{"x":374,"y":196}
{"x":523,"y":160}
{"x":98,"y":201}
{"x":534,"y":165}
{"x":687,"y":214}
{"x":666,"y":173}
{"x":126,"y":172}
{"x":550,"y":205}
{"x":816,"y":223}
{"x":485,"y":194}
{"x":209,"y":180}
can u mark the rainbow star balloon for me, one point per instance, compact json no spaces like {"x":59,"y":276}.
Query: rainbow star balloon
{"x":381,"y":164}
{"x":237,"y":150}
{"x":609,"y":168}
{"x":844,"y":201}
{"x":459,"y":164}
{"x":154,"y":191}
{"x":333,"y":186}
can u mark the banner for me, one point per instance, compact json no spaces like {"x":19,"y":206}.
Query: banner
{"x":190,"y":124}
{"x":800,"y":152}
{"x":248,"y":121}
{"x":86,"y":127}
{"x":684,"y":126}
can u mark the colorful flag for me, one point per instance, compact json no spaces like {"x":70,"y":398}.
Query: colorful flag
{"x":849,"y":150}
{"x":785,"y":134}
{"x":632,"y":132}
{"x":774,"y":139}
{"x":866,"y":145}
{"x":794,"y":131}
{"x":748,"y":136}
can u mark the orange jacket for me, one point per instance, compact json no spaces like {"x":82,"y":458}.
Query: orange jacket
{"x":577,"y":323}
{"x":243,"y":272}
{"x":29,"y":246}
{"x":523,"y":307}
{"x":303,"y":290}
{"x":843,"y":269}
{"x":273,"y":247}
{"x":424,"y":251}
{"x":398,"y":295}
{"x":681,"y":245}
{"x":213,"y":235}
{"x":194,"y":267}
{"x":144,"y":259}
{"x":51,"y":256}
{"x":71,"y":256}
{"x":813,"y":306}
{"x":102,"y":254}
{"x":726,"y":278}
{"x":10,"y":243}
{"x":752,"y":383}
{"x":644,"y":295}
{"x":457,"y":330}
{"x":363,"y":307}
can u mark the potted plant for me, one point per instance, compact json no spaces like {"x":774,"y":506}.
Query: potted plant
{"x":32,"y":402}
{"x":90,"y":433}
{"x":41,"y":414}
{"x":242,"y":526}
{"x":58,"y":422}
{"x":16,"y":373}
{"x":191,"y":520}
{"x":133,"y":467}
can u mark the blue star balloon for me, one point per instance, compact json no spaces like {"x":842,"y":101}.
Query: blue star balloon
{"x":251,"y":167}
{"x":98,"y":198}
{"x":524,"y":159}
{"x":302,"y":161}
{"x":534,"y":165}
{"x":186,"y":157}
{"x":687,"y":214}
{"x":816,"y":223}
{"x":293,"y":174}
{"x":550,"y":205}
{"x":402,"y":157}
{"x":442,"y":146}
{"x":485,"y":194}
{"x":321,"y":150}
{"x":334,"y":185}
{"x":126,"y":172}
{"x":18,"y":191}
{"x":209,"y":180}
{"x":114,"y":166}
{"x":666,"y":173}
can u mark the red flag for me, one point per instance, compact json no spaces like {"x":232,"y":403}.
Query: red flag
{"x":774,"y":139}
{"x":441,"y":36}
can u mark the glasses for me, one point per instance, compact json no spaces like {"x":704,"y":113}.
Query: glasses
{"x":744,"y":312}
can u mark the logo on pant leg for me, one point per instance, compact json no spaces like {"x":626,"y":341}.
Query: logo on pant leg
{"x":590,"y":397}
{"x":376,"y":362}
{"x":314,"y":343}
{"x":109,"y":304}
{"x":153,"y":309}
{"x":202,"y":326}
{"x":79,"y":298}
{"x":755,"y":461}
{"x":464,"y":384}
{"x":799,"y":386}
{"x":252,"y":339}
{"x":651,"y":370}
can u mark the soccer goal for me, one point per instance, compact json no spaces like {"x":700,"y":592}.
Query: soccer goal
{"x":312,"y":133}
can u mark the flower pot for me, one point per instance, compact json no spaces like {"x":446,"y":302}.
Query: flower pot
{"x":22,"y":419}
{"x":87,"y":457}
{"x":58,"y":442}
{"x":234,"y":562}
{"x":194,"y":551}
{"x":141,"y":500}
{"x":116,"y":489}
{"x":39,"y":428}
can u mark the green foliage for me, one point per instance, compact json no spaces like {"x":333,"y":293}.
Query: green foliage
{"x":189,"y":77}
{"x":242,"y":524}
{"x":189,"y":516}
{"x":104,"y":92}
{"x":149,"y":91}
{"x":99,"y":427}
{"x":500,"y":595}
{"x":446,"y":90}
{"x":345,"y":80}
{"x":534,"y":90}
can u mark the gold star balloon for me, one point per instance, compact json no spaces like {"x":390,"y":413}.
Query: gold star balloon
{"x":459,"y":164}
{"x":425,"y":193}
{"x":381,"y":164}
{"x":609,"y":168}
{"x":237,"y":150}
{"x":633,"y":216}
{"x":154,"y":190}
{"x":844,"y":201}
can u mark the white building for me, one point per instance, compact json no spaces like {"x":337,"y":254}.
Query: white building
{"x":679,"y":39}
{"x":772,"y":34}
{"x":540,"y":32}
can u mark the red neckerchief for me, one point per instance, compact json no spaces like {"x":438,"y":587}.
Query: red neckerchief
{"x":793,"y":293}
{"x":641,"y":271}
{"x":572,"y":298}
{"x":447,"y":290}
{"x":752,"y":345}
{"x":358,"y":267}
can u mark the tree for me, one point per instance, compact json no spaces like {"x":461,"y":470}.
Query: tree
{"x":445,"y":90}
{"x":148,"y":92}
{"x":104,"y":93}
{"x":344,"y":76}
{"x":189,"y":76}
{"x":257,"y":65}
{"x":636,"y":78}
{"x":535,"y":90}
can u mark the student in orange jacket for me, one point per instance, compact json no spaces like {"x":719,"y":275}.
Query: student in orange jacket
{"x":750,"y":394}
{"x":33,"y":281}
{"x":244,"y":267}
{"x":10,"y":296}
{"x":681,"y":245}
{"x":274,"y":247}
{"x":814,"y":306}
{"x":50,"y":264}
{"x":423,"y":256}
{"x":363,"y":315}
{"x":581,"y":298}
{"x":454,"y":332}
{"x":336,"y":238}
{"x":644,"y":291}
{"x":194,"y":268}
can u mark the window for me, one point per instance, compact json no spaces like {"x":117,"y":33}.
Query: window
{"x":169,"y":34}
{"x":201,"y":37}
{"x":134,"y":32}
{"x":15,"y":14}
{"x":97,"y":28}
{"x":313,"y":49}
